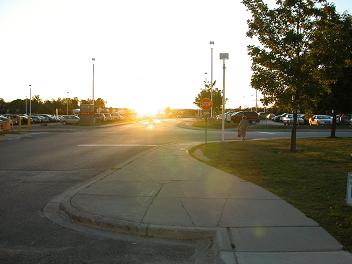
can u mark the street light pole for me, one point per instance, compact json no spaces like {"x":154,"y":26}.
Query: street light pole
{"x":223,"y":57}
{"x":67,"y":104}
{"x":93,"y":60}
{"x":256,"y":100}
{"x":211,"y":77}
{"x":30,"y":107}
{"x":26,"y":106}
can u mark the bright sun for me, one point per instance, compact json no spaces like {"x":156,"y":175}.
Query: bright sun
{"x":148,"y":110}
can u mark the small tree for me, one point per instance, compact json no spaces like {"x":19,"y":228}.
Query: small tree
{"x":206,"y":93}
{"x":281,"y":64}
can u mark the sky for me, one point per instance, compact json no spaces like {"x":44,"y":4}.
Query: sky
{"x":148,"y":54}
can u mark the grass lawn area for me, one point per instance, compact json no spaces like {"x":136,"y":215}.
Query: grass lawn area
{"x":313,"y":180}
{"x":214,"y":124}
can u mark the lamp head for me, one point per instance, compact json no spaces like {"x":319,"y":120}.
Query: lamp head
{"x":224,"y":56}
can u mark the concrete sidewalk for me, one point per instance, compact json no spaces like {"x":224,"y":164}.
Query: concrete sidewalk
{"x":166,"y":193}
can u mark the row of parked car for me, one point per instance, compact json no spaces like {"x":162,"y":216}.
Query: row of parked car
{"x":236,"y":117}
{"x":315,"y":120}
{"x":47,"y":118}
{"x":38,"y":118}
{"x":286,"y":118}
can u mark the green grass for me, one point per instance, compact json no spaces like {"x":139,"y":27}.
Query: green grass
{"x":215,"y":124}
{"x":313,"y":179}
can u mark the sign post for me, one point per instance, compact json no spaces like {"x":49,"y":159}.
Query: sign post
{"x":349,"y":189}
{"x":206,"y":104}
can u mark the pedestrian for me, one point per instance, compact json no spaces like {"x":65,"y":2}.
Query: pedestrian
{"x":242,"y":127}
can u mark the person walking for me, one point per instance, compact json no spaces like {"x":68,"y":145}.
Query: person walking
{"x":242,"y":127}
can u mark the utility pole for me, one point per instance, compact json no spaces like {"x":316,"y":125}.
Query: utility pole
{"x":223,"y":57}
{"x":211,"y":77}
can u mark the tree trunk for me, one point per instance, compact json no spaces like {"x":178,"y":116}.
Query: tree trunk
{"x":333,"y":126}
{"x":293,"y":133}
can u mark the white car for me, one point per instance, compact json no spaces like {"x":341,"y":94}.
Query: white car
{"x":320,"y":120}
{"x":288,"y":119}
{"x":228,"y":116}
{"x":69,"y":119}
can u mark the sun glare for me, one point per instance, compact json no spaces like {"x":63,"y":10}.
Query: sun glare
{"x":147,"y":110}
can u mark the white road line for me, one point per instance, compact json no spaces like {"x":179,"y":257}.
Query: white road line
{"x":269,"y":133}
{"x":116,"y":145}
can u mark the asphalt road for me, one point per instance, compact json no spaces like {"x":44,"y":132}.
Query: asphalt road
{"x":38,"y":166}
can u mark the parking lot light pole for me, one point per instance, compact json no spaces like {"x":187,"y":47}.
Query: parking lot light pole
{"x":256,"y":100}
{"x":211,"y":76}
{"x":30,"y":107}
{"x":67,"y":104}
{"x":93,"y":60}
{"x":223,"y":57}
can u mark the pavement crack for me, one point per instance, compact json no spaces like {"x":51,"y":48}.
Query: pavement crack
{"x":151,"y":202}
{"x":189,"y":215}
{"x":222,"y":212}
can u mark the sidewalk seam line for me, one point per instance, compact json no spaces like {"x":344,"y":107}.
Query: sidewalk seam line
{"x":189,"y":215}
{"x":222,"y":212}
{"x":151,"y":202}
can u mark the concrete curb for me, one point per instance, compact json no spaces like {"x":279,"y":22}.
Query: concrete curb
{"x":132,"y":228}
{"x":121,"y":226}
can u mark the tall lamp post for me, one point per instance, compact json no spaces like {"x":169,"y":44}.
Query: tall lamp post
{"x":30,"y":107}
{"x":211,"y":76}
{"x":67,"y":104}
{"x":223,"y":57}
{"x":93,"y":60}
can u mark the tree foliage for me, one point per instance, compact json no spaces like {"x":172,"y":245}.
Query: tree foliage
{"x":206,"y":93}
{"x":283,"y":67}
{"x":333,"y":55}
{"x":39,"y":106}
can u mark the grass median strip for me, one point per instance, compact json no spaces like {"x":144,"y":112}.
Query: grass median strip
{"x":313,"y":179}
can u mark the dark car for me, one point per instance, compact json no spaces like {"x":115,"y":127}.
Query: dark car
{"x":343,"y":119}
{"x":252,"y":117}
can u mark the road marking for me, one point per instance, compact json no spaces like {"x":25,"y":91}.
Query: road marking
{"x":269,"y":133}
{"x":116,"y":145}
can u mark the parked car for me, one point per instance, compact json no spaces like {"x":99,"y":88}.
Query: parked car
{"x":320,"y":120}
{"x":262,"y":115}
{"x":252,"y":117}
{"x":48,"y":118}
{"x":3,"y":119}
{"x":12,"y":118}
{"x":278,"y":118}
{"x":100,"y":117}
{"x":69,"y":119}
{"x":288,"y":119}
{"x":36,"y":119}
{"x":228,"y":116}
{"x":343,"y":119}
{"x":269,"y":116}
{"x":108,"y":116}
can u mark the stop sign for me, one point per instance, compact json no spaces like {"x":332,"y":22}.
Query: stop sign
{"x":206,"y":103}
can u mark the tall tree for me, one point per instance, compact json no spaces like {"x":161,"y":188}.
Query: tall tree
{"x":332,"y":52}
{"x":282,"y":69}
{"x":2,"y":106}
{"x":99,"y":103}
{"x":205,"y":93}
